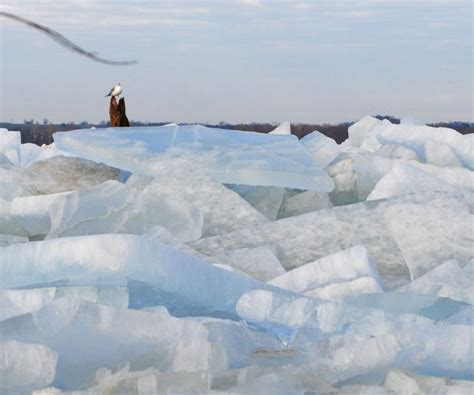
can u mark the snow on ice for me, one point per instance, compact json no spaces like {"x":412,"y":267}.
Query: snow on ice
{"x":185,"y":259}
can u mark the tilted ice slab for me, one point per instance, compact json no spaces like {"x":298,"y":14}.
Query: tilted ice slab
{"x":448,"y":280}
{"x":232,"y":157}
{"x":440,"y":224}
{"x":222,"y":210}
{"x":340,"y":267}
{"x":112,"y":207}
{"x":323,"y":149}
{"x":412,"y":177}
{"x":371,"y":133}
{"x":154,"y":273}
{"x":283,"y":128}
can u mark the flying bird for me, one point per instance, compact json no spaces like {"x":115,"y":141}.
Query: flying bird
{"x":115,"y":91}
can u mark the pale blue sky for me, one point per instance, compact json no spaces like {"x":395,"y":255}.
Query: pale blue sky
{"x":241,"y":61}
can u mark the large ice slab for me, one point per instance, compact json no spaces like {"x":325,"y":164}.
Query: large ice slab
{"x":232,"y":157}
{"x":154,"y":273}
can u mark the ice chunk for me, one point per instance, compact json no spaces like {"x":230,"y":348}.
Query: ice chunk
{"x":283,"y":314}
{"x":399,"y":381}
{"x":14,"y":302}
{"x":222,"y":210}
{"x":283,"y":128}
{"x":266,"y":200}
{"x":393,"y":151}
{"x":415,"y":178}
{"x":61,"y":174}
{"x":342,"y":357}
{"x":339,"y":290}
{"x":430,"y":234}
{"x":232,"y":157}
{"x":303,"y":202}
{"x":259,"y":262}
{"x":342,"y":266}
{"x":440,"y":154}
{"x":155,"y":273}
{"x":28,"y":153}
{"x":114,"y":207}
{"x":323,"y":149}
{"x":371,"y":134}
{"x":31,"y":213}
{"x":10,"y":145}
{"x":446,"y":280}
{"x":25,"y":366}
{"x":355,"y":176}
{"x":105,"y":336}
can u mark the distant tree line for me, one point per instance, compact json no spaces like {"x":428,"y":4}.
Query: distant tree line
{"x":42,"y":133}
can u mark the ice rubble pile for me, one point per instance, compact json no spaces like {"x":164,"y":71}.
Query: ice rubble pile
{"x":183,"y":259}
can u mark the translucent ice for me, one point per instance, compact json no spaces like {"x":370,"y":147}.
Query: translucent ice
{"x":342,"y":266}
{"x":155,"y":273}
{"x":447,"y":280}
{"x":371,"y":134}
{"x":222,"y":210}
{"x":323,"y":149}
{"x":113,"y":207}
{"x":266,"y":200}
{"x":14,"y":302}
{"x":412,"y":177}
{"x":303,"y":202}
{"x":10,"y":145}
{"x":355,"y":175}
{"x":283,"y":128}
{"x":430,"y":234}
{"x":25,"y":366}
{"x":28,"y":153}
{"x":105,"y":336}
{"x":258,"y":262}
{"x":231,"y":157}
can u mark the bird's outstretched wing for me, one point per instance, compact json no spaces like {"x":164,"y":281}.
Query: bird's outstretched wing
{"x":110,"y":93}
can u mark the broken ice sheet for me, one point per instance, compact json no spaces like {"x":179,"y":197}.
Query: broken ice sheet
{"x":232,"y":157}
{"x":339,"y":267}
{"x":154,"y":273}
{"x":105,"y":336}
{"x":311,"y":236}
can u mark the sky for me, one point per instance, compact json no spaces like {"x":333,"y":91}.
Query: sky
{"x":241,"y":60}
